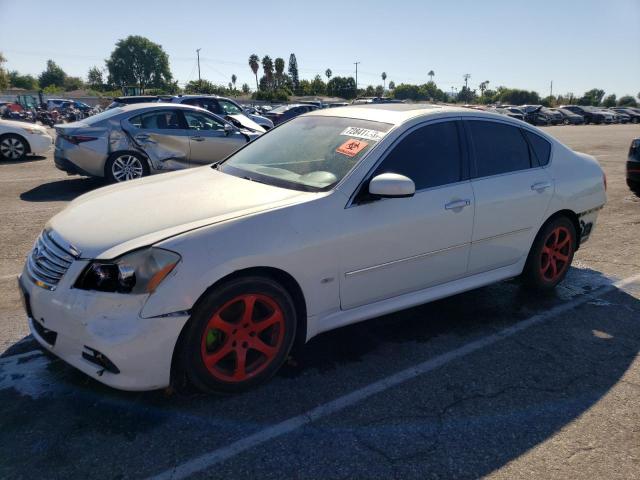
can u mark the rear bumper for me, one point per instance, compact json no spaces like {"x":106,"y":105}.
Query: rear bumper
{"x":67,"y":166}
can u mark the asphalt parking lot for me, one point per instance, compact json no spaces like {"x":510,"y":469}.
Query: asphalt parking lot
{"x":497,"y":382}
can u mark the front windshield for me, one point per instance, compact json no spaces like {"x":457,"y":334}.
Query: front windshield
{"x":307,"y":153}
{"x":281,"y":109}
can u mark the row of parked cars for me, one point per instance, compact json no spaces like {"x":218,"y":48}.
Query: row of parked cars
{"x":569,"y":114}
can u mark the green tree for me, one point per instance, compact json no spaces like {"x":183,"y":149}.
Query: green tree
{"x":95,"y":79}
{"x":483,"y":86}
{"x":245,"y":88}
{"x":515,"y":96}
{"x":267,"y":68}
{"x":328,"y":73}
{"x":279,"y":75}
{"x":73,"y":83}
{"x":137,"y":61}
{"x":254,"y":64}
{"x":392,"y":85}
{"x":4,"y":78}
{"x":318,"y":87}
{"x":52,"y":76}
{"x":549,"y":101}
{"x":466,"y":95}
{"x":205,"y":87}
{"x":431,"y":74}
{"x":610,"y":100}
{"x":28,"y":82}
{"x":592,"y":97}
{"x":293,"y":72}
{"x":234,"y":79}
{"x":627,"y":101}
{"x":344,"y":87}
{"x":384,"y":80}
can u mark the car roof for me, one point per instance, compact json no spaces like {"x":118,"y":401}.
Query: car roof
{"x":398,"y":113}
{"x":141,"y":106}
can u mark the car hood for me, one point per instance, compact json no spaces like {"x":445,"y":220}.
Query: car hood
{"x":113,"y":220}
{"x":247,"y":122}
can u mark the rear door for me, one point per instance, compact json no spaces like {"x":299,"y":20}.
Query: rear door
{"x":209,"y":142}
{"x":163,"y":136}
{"x":512,"y":190}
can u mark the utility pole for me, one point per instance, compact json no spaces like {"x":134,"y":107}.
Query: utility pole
{"x":356,"y":64}
{"x":551,"y":89}
{"x":466,"y":77}
{"x":199,"y":79}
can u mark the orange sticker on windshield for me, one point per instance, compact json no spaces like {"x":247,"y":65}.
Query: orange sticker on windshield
{"x":351,"y":147}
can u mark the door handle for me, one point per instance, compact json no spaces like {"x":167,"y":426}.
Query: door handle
{"x":457,"y":204}
{"x":197,"y":139}
{"x":540,"y":186}
{"x":143,"y":137}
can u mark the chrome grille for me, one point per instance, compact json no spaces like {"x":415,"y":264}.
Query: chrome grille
{"x":49,"y":260}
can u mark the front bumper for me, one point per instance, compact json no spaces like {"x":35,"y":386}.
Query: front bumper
{"x":77,"y":325}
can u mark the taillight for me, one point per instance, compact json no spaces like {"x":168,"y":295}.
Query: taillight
{"x":76,"y":139}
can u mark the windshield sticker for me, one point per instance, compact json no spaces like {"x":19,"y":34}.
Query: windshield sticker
{"x":351,"y":147}
{"x":365,"y":133}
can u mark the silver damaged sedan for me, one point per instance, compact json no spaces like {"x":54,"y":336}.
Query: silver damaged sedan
{"x":136,"y":140}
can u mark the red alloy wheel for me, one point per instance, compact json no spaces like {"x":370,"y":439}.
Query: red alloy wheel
{"x":243,"y":337}
{"x":556,"y":251}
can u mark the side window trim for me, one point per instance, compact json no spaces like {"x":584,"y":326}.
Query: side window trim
{"x":464,"y":152}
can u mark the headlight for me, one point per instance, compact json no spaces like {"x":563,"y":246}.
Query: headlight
{"x":140,"y":271}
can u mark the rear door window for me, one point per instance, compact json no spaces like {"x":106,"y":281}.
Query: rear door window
{"x":498,"y":148}
{"x":163,"y":120}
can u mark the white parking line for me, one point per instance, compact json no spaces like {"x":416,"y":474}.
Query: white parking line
{"x":205,"y":461}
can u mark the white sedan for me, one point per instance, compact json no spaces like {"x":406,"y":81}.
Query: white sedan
{"x":335,"y":217}
{"x":18,"y":139}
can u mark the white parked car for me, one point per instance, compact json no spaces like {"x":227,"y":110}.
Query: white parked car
{"x":335,"y":217}
{"x":18,"y":139}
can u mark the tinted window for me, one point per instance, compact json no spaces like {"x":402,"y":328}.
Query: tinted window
{"x":200,"y":121}
{"x":430,"y":156}
{"x":229,"y":108}
{"x":165,"y":120}
{"x":541,"y":148}
{"x":499,"y":148}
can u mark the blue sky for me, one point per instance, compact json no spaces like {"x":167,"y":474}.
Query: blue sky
{"x":579,"y":44}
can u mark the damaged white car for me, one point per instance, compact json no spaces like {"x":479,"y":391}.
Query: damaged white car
{"x":136,"y":140}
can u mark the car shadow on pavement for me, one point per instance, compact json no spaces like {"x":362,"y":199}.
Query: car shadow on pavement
{"x":465,"y":419}
{"x":62,"y":190}
{"x":27,"y":159}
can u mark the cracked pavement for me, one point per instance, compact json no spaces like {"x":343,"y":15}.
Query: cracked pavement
{"x":560,"y":399}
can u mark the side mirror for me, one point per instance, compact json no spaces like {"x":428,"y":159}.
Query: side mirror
{"x":391,"y":185}
{"x":228,"y":128}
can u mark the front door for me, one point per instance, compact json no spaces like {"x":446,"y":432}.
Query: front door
{"x":209,"y":141}
{"x":400,"y":245}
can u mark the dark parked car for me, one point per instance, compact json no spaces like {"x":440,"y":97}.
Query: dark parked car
{"x":633,"y":167}
{"x":618,"y":117}
{"x":287,"y":112}
{"x":509,"y":113}
{"x":568,"y":117}
{"x":535,"y":115}
{"x":590,"y":114}
{"x":634,"y":114}
{"x":120,"y":101}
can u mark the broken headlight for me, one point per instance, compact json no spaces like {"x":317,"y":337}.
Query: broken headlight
{"x":140,"y":271}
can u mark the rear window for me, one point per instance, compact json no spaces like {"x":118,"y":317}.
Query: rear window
{"x":541,"y":148}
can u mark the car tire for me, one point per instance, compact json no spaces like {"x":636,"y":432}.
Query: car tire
{"x":634,"y":120}
{"x":227,"y":350}
{"x":13,"y":147}
{"x":551,"y":254}
{"x":566,"y":121}
{"x":124,"y":166}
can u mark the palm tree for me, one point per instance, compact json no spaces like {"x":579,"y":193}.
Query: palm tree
{"x":328,"y":73}
{"x":234,"y":79}
{"x":384,"y":80}
{"x":267,"y":68}
{"x":483,"y":86}
{"x":254,"y":63}
{"x":431,"y":74}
